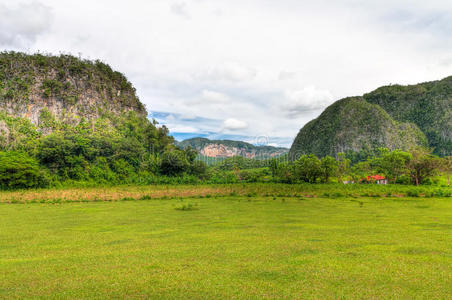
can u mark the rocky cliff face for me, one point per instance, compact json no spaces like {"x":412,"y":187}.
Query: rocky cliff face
{"x":220,"y":150}
{"x":226,"y":148}
{"x":68,"y":88}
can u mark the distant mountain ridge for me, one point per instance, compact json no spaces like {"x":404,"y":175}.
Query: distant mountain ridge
{"x":229,"y":148}
{"x":395,"y":116}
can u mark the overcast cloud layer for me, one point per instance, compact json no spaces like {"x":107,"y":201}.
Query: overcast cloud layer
{"x":242,"y":69}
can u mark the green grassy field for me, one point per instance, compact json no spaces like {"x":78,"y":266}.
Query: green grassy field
{"x":245,"y":246}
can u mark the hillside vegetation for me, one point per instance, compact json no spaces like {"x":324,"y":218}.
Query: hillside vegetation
{"x":69,"y":87}
{"x":395,"y":117}
{"x":66,"y":119}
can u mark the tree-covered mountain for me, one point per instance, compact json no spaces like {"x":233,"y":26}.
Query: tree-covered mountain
{"x":428,"y":105}
{"x":42,"y":94}
{"x":395,"y":116}
{"x":80,"y":120}
{"x":69,"y":87}
{"x":228,"y":148}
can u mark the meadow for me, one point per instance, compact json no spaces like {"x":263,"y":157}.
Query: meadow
{"x":247,"y":241}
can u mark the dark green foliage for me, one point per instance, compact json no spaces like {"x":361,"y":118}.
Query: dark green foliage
{"x":308,"y":168}
{"x":328,"y":167}
{"x":65,"y":156}
{"x":199,"y":169}
{"x":412,"y":193}
{"x":254,"y":175}
{"x":422,"y":166}
{"x":415,"y":167}
{"x":428,"y":105}
{"x":51,"y":87}
{"x":134,"y":150}
{"x":19,"y":170}
{"x":174,"y":162}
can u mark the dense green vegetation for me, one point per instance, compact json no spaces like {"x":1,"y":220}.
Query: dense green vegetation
{"x":395,"y":117}
{"x":286,"y":244}
{"x":353,"y":125}
{"x":428,"y":105}
{"x":416,"y":167}
{"x":71,"y":159}
{"x":122,"y":149}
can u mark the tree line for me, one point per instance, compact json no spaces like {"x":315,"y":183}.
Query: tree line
{"x":417,"y":166}
{"x":138,"y":152}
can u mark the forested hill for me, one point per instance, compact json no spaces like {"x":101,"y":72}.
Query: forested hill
{"x":68,"y":87}
{"x":228,"y":148}
{"x":63,"y":118}
{"x":42,"y":94}
{"x":395,"y":116}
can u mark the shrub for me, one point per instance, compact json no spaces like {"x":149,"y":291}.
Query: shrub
{"x":412,"y":193}
{"x":337,"y":195}
{"x":19,"y":170}
{"x":174,"y":163}
{"x":187,"y":207}
{"x":123,"y":169}
{"x":199,"y":169}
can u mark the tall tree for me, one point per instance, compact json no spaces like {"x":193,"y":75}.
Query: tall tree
{"x":423,"y":165}
{"x":392,"y":163}
{"x":308,"y":168}
{"x":329,"y":167}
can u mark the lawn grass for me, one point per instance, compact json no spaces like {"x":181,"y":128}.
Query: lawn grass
{"x":242,"y":246}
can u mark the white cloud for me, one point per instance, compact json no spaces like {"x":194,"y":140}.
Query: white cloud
{"x":180,"y":9}
{"x":213,"y":97}
{"x":229,"y":71}
{"x":21,"y":24}
{"x":286,"y":75}
{"x":305,"y":100}
{"x":234,"y":124}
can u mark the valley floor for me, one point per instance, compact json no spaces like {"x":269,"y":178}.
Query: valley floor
{"x":237,"y":241}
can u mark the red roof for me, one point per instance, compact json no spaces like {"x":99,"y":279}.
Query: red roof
{"x":375,"y":177}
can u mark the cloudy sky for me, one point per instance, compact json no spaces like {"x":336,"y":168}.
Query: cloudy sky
{"x":254,"y":70}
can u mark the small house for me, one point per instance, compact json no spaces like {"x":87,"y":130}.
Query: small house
{"x":377,"y":179}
